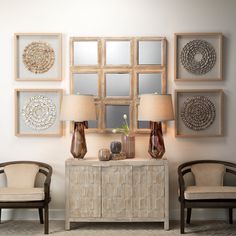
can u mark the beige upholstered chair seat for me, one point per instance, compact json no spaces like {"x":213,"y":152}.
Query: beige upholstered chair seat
{"x":21,"y":194}
{"x":209,"y":192}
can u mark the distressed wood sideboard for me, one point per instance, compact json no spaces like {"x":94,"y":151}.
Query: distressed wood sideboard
{"x":132,"y":190}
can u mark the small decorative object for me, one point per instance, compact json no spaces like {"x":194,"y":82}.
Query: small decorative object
{"x":128,"y":144}
{"x":198,"y":56}
{"x":38,"y":56}
{"x":198,"y":113}
{"x":118,"y":156}
{"x":156,"y":108}
{"x":104,"y":154}
{"x":127,"y":139}
{"x":79,"y":109}
{"x":37,"y":112}
{"x":115,"y":147}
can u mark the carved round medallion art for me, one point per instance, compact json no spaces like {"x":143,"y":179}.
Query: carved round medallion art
{"x":39,"y":112}
{"x":198,"y":113}
{"x":198,"y":57}
{"x":38,"y":57}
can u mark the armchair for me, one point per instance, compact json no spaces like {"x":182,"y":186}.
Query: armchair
{"x":20,"y":190}
{"x":208,"y":191}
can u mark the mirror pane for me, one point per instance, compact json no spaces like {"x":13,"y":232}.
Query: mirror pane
{"x":92,"y":124}
{"x":114,"y":115}
{"x":117,"y":84}
{"x":117,"y":52}
{"x":149,"y":52}
{"x":149,"y":83}
{"x":86,"y":84}
{"x":85,"y":53}
{"x":143,"y":125}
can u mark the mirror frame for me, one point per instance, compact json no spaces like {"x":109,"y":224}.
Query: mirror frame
{"x":133,"y":69}
{"x":84,"y":39}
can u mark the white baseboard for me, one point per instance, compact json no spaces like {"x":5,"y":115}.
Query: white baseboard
{"x":31,"y":214}
{"x":203,"y":214}
{"x":59,"y":214}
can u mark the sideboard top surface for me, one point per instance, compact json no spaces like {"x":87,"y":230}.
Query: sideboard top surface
{"x":134,"y":161}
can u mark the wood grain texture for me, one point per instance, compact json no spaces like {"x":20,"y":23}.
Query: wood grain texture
{"x":133,"y":69}
{"x":127,"y":190}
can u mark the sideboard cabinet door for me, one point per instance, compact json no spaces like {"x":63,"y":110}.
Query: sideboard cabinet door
{"x":117,"y":191}
{"x":84,"y":191}
{"x":149,"y":191}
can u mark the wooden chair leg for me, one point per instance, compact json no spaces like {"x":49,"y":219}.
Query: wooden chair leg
{"x":41,"y":215}
{"x":182,"y":218}
{"x":230,"y":215}
{"x":189,"y":211}
{"x":46,"y":219}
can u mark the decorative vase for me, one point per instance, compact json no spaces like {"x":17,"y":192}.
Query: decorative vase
{"x":115,"y":147}
{"x":128,"y":145}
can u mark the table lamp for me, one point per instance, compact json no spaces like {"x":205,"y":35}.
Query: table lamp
{"x":79,"y":109}
{"x":156,"y":108}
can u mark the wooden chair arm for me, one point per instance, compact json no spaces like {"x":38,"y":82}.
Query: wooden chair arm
{"x":47,"y":183}
{"x":231,"y":171}
{"x":181,"y":174}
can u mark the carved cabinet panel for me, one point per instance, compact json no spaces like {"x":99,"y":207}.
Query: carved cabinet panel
{"x":148,"y":191}
{"x":127,"y":190}
{"x":85,"y":191}
{"x":117,"y":191}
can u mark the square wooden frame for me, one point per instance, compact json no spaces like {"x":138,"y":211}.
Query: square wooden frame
{"x":217,"y":94}
{"x":58,"y":77}
{"x":17,"y":115}
{"x":120,"y":39}
{"x":136,"y":53}
{"x":218,"y":37}
{"x":133,"y":69}
{"x":85,"y":39}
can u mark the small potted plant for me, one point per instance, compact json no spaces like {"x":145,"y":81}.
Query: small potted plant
{"x":127,"y":138}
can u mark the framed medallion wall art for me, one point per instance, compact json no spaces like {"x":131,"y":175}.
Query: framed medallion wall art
{"x":198,"y":56}
{"x":37,"y":112}
{"x":199,"y":113}
{"x":38,"y":56}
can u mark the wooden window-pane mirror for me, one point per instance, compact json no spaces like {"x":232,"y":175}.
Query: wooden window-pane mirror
{"x":114,"y":115}
{"x":117,"y":53}
{"x":150,"y":52}
{"x":116,"y":71}
{"x":149,"y":83}
{"x":85,"y":83}
{"x":118,"y":84}
{"x":85,"y":53}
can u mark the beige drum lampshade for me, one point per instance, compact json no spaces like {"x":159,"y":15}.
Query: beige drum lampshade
{"x":78,"y":108}
{"x":155,"y":107}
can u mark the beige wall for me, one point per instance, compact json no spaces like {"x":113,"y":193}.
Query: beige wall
{"x":115,"y":18}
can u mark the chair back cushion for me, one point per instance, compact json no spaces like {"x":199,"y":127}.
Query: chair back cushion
{"x":21,"y":175}
{"x":208,"y":174}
